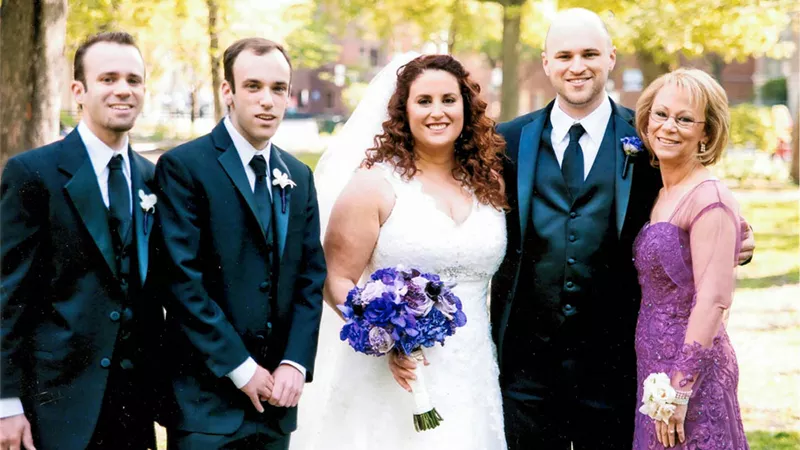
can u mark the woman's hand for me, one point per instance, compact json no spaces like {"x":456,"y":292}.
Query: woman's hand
{"x":666,"y":432}
{"x":402,"y":368}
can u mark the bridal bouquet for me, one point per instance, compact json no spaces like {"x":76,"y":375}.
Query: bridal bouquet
{"x":403,"y":309}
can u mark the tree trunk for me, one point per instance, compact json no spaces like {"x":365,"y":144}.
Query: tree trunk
{"x":717,"y":66}
{"x":650,"y":69}
{"x":509,"y":92}
{"x":31,"y":54}
{"x":455,"y":17}
{"x":794,"y":169}
{"x":216,"y":59}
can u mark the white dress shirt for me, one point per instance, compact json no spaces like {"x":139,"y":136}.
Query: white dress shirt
{"x":594,"y":124}
{"x":242,"y":374}
{"x":99,"y":154}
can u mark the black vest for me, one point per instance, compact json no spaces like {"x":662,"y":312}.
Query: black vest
{"x":570,"y":242}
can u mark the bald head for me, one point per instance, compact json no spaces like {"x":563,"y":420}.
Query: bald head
{"x":577,"y":58}
{"x":576,"y":21}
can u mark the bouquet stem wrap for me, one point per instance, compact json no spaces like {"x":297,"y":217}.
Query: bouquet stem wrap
{"x":425,"y":415}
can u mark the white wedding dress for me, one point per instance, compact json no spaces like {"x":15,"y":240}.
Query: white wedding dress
{"x":355,"y":404}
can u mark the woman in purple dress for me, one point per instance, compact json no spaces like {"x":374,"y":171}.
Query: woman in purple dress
{"x":685,"y":257}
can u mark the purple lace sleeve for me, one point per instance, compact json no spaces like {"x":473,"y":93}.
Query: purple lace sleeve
{"x":691,"y":362}
{"x":710,"y":215}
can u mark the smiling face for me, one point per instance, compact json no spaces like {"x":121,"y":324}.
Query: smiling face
{"x":258,"y":100}
{"x":435,"y":110}
{"x":113,"y":94}
{"x":673,"y":131}
{"x":577,"y":59}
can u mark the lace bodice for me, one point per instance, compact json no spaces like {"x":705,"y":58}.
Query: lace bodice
{"x":367,"y":409}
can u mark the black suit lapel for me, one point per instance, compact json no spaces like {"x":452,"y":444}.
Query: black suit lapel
{"x":232,"y":164}
{"x":83,"y":191}
{"x":142,"y":220}
{"x":622,"y":186}
{"x":280,"y":199}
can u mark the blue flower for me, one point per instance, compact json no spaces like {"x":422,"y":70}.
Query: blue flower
{"x":380,"y":311}
{"x":387,"y":276}
{"x":356,"y":335}
{"x":632,"y":146}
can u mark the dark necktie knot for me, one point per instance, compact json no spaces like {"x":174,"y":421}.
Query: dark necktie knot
{"x":115,"y":163}
{"x":259,"y":165}
{"x":575,"y":132}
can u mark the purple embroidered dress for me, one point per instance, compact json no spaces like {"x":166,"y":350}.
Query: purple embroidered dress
{"x":686,"y":271}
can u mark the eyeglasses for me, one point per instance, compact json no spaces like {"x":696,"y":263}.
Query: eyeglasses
{"x":682,"y":122}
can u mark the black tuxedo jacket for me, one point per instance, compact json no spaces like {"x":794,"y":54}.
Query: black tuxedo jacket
{"x":62,"y":300}
{"x":634,"y":196}
{"x":225,"y":301}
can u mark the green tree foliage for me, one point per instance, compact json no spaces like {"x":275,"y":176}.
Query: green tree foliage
{"x":658,"y":32}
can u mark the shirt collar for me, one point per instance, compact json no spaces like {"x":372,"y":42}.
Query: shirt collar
{"x":100,"y":153}
{"x":595,"y":123}
{"x":243,"y":146}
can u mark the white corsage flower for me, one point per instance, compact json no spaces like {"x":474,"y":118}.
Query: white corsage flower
{"x":658,"y":397}
{"x":282,"y":179}
{"x":148,"y":201}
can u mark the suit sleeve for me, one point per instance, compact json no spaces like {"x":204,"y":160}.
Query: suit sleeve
{"x":21,"y":223}
{"x":178,"y":248}
{"x":307,"y":306}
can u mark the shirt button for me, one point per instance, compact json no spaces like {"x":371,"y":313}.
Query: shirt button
{"x":573,"y":215}
{"x":571,"y":261}
{"x":114,"y":316}
{"x":572,"y":238}
{"x":264,"y":286}
{"x":126,"y":364}
{"x":570,"y":284}
{"x":105,"y":363}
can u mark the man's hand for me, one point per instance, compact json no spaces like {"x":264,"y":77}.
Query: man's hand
{"x":15,"y":430}
{"x":289,"y":384}
{"x":748,"y":244}
{"x":402,"y":367}
{"x":259,"y":388}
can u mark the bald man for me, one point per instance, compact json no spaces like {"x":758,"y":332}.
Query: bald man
{"x":565,"y":300}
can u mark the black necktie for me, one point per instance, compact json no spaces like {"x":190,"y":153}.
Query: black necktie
{"x":259,"y":165}
{"x":572,"y":166}
{"x":119,"y":201}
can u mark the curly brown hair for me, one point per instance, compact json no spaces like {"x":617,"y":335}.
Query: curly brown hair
{"x":479,"y":149}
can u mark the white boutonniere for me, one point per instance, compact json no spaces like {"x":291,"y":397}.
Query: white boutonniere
{"x":632,"y":146}
{"x":282,"y":180}
{"x":148,"y":205}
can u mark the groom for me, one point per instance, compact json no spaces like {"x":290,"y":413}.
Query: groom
{"x":241,"y":264}
{"x":78,"y":330}
{"x":566,"y":298}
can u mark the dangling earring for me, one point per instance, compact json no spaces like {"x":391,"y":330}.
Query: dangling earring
{"x":702,"y":147}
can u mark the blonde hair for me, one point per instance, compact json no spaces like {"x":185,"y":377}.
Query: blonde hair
{"x":704,"y":91}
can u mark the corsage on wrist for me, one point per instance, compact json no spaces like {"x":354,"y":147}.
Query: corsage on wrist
{"x":659,"y":398}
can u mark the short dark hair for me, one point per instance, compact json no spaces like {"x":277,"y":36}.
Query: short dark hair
{"x":117,"y":37}
{"x":257,"y":45}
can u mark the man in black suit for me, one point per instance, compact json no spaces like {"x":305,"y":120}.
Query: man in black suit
{"x":566,"y":298}
{"x":77,"y":332}
{"x":242,"y":266}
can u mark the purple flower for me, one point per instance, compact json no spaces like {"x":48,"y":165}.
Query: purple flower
{"x":380,"y":311}
{"x":371,"y":291}
{"x":386,"y":276}
{"x":356,"y":335}
{"x":380,"y":340}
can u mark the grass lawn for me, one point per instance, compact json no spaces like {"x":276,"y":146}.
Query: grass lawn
{"x":765,"y":321}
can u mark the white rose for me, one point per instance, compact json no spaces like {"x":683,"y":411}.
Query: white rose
{"x":664,"y":412}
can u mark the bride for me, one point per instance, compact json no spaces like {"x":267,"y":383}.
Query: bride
{"x":428,"y":195}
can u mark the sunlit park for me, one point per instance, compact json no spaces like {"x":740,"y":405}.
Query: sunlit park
{"x":752,"y":47}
